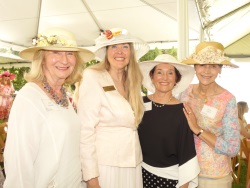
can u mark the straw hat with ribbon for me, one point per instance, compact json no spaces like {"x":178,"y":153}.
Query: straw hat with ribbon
{"x":57,"y":39}
{"x":8,"y":74}
{"x":118,"y":36}
{"x":209,"y":53}
{"x":187,"y":72}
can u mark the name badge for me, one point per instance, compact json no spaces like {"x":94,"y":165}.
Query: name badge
{"x":148,"y":106}
{"x":209,"y":111}
{"x":108,"y":88}
{"x":50,"y":105}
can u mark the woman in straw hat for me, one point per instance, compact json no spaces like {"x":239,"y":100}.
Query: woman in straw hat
{"x":212,"y":115}
{"x":110,"y":107}
{"x":42,"y":148}
{"x":6,"y":93}
{"x":169,"y":157}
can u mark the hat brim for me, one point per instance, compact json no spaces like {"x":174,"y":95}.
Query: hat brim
{"x":86,"y":55}
{"x":187,"y":72}
{"x":140,"y":47}
{"x":11,"y":76}
{"x":226,"y":63}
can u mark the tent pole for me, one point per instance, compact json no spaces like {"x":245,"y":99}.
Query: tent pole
{"x":183,"y":32}
{"x":39,"y":16}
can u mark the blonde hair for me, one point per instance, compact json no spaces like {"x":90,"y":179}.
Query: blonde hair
{"x":4,"y":81}
{"x":133,"y":83}
{"x":242,"y":105}
{"x":36,"y":72}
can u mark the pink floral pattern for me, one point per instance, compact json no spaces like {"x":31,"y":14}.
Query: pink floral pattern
{"x":6,"y":92}
{"x":215,"y":162}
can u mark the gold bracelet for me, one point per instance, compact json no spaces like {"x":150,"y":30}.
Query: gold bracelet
{"x":199,"y":133}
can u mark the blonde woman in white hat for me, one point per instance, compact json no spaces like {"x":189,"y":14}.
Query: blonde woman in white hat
{"x":42,"y":147}
{"x":212,"y":115}
{"x":110,"y":107}
{"x":169,"y":157}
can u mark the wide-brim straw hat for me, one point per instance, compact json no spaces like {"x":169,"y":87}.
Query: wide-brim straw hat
{"x":187,"y":72}
{"x":8,"y":74}
{"x":119,"y":36}
{"x":209,"y":53}
{"x":57,"y":39}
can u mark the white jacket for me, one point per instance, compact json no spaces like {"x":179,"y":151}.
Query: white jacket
{"x":108,"y":133}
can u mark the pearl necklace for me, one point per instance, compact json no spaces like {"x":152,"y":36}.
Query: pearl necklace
{"x":160,"y":105}
{"x":63,"y":102}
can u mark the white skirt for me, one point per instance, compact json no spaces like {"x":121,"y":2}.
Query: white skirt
{"x":117,"y":177}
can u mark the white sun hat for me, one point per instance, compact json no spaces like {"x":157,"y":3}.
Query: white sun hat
{"x":57,"y":39}
{"x":187,"y":72}
{"x":119,"y":36}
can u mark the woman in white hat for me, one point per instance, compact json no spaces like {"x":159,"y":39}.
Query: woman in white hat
{"x":42,"y":147}
{"x":212,"y":115}
{"x":110,"y":107}
{"x":169,"y":157}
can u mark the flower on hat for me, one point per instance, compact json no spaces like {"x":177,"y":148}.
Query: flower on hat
{"x":52,"y":40}
{"x":58,"y":39}
{"x":209,"y":55}
{"x":110,"y":34}
{"x":118,"y":36}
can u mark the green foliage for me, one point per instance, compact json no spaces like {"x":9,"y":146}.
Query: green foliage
{"x":92,"y":62}
{"x":172,"y":51}
{"x":4,"y":50}
{"x":151,"y":55}
{"x":242,"y":182}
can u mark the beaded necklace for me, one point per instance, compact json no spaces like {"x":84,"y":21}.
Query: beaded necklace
{"x":63,"y":102}
{"x":161,"y":105}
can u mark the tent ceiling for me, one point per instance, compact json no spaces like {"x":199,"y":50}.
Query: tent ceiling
{"x":152,"y":20}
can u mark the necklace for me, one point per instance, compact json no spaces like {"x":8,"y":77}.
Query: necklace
{"x":205,"y":97}
{"x":63,"y":102}
{"x":160,"y":105}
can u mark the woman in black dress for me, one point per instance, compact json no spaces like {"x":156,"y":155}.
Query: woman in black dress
{"x":169,"y":157}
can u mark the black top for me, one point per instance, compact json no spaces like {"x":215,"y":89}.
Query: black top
{"x":165,"y":136}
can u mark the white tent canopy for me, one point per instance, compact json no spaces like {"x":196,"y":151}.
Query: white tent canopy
{"x":155,"y":21}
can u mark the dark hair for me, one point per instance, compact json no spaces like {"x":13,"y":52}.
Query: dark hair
{"x":177,"y":73}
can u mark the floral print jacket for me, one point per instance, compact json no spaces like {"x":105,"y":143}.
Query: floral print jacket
{"x":223,"y":123}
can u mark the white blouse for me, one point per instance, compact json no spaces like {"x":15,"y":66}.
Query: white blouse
{"x":42,"y":147}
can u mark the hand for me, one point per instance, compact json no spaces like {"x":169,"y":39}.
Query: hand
{"x":191,"y":119}
{"x":93,"y":183}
